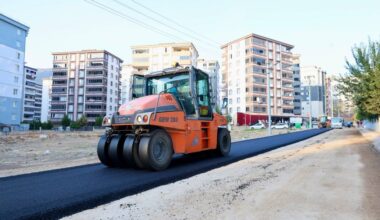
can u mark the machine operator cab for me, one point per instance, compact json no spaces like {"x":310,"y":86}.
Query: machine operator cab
{"x":189,"y":86}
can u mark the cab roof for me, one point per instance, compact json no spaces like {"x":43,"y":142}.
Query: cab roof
{"x":168,"y":71}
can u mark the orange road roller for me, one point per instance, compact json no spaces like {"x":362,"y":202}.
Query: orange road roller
{"x":170,"y":113}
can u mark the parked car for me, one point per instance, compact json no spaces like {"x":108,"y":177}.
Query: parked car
{"x":348,"y":124}
{"x":257,"y":126}
{"x":280,"y":126}
{"x":337,"y":122}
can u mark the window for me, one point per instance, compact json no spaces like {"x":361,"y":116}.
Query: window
{"x":81,"y":73}
{"x":229,"y":101}
{"x":238,"y":100}
{"x":110,"y":108}
{"x":81,"y":57}
{"x":14,"y":104}
{"x":81,"y":82}
{"x":80,"y":91}
{"x":111,"y":84}
{"x":15,"y":91}
{"x":18,"y":44}
{"x":71,"y":108}
{"x":15,"y":79}
{"x":80,"y":99}
{"x":72,"y":74}
{"x":13,"y":117}
{"x":17,"y":67}
{"x":203,"y":94}
{"x":81,"y":65}
{"x":18,"y":56}
{"x":80,"y":108}
{"x":18,"y":32}
{"x":73,"y":57}
{"x":71,"y":91}
{"x":72,"y":65}
{"x":71,"y":82}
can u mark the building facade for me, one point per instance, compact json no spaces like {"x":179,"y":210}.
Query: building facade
{"x":313,"y":80}
{"x":12,"y":59}
{"x":297,"y":85}
{"x":32,"y":96}
{"x":85,"y":83}
{"x":211,"y":67}
{"x":46,"y":99}
{"x":127,"y":72}
{"x":245,"y":65}
{"x":149,"y":58}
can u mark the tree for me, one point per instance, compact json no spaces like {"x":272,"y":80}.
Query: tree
{"x":98,"y":121}
{"x":82,"y":121}
{"x":75,"y":125}
{"x":362,"y":82}
{"x":65,"y":122}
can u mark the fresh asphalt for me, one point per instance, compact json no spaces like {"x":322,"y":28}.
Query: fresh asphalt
{"x":57,"y":193}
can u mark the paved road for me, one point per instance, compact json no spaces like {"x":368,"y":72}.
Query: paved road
{"x":57,"y":193}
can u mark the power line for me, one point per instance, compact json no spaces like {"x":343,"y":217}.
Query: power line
{"x":175,"y":22}
{"x":135,"y":21}
{"x":130,"y":19}
{"x":158,"y":21}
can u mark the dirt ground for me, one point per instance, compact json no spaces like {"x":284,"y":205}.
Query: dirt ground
{"x":34,"y":151}
{"x":331,"y":176}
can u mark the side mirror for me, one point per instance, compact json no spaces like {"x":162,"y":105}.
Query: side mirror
{"x":225,"y":103}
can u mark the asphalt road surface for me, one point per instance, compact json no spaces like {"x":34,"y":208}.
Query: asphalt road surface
{"x":57,"y":193}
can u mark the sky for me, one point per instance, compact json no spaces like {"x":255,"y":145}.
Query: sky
{"x":322,"y":32}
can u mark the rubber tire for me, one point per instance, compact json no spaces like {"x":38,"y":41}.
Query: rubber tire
{"x":224,"y":142}
{"x":102,"y":150}
{"x":147,"y":146}
{"x":115,"y":151}
{"x":130,"y":152}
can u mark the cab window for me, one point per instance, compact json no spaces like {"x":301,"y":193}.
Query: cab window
{"x":203,"y":94}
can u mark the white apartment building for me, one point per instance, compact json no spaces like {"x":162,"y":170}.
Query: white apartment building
{"x":211,"y":67}
{"x":245,"y":64}
{"x":12,"y":59}
{"x":127,"y":72}
{"x":32,"y":96}
{"x":85,"y":82}
{"x":46,"y":99}
{"x":150,"y":58}
{"x":313,"y":79}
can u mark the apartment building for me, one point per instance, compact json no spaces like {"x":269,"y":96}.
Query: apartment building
{"x":211,"y":67}
{"x":149,"y":58}
{"x":245,"y":64}
{"x":12,"y":57}
{"x":297,"y":85}
{"x":85,"y":83}
{"x":46,"y":98}
{"x":32,"y":96}
{"x":127,"y":72}
{"x":313,"y":80}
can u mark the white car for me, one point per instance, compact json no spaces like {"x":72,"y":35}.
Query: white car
{"x":279,"y":126}
{"x":337,"y":122}
{"x":257,"y":126}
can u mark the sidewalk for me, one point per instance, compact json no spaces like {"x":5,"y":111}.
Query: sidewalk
{"x":372,"y":136}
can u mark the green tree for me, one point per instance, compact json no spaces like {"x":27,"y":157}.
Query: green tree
{"x":65,"y":122}
{"x":362,"y":82}
{"x":98,"y":121}
{"x":217,"y":110}
{"x":75,"y":125}
{"x":82,"y":121}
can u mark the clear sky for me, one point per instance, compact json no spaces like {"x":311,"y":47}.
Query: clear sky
{"x":323,"y":31}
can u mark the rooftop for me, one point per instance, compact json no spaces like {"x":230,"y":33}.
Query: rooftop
{"x":86,"y":51}
{"x":14,"y":22}
{"x":180,"y":44}
{"x":258,"y":36}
